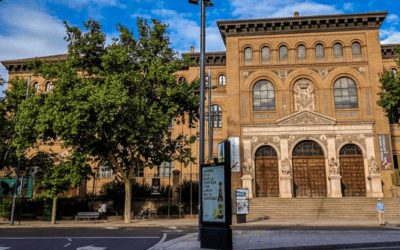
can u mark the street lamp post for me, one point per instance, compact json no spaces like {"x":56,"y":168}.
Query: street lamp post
{"x":18,"y":166}
{"x":204,"y":4}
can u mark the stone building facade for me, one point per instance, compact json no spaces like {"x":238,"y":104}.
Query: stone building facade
{"x":300,"y":95}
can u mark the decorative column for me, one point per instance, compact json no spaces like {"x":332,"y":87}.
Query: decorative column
{"x":372,"y":170}
{"x":375,"y":178}
{"x":285,"y":185}
{"x":247,"y":178}
{"x":335,"y":178}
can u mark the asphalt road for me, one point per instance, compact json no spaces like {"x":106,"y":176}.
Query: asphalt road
{"x":138,"y":238}
{"x":87,"y":238}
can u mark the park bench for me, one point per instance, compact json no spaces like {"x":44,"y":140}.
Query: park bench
{"x":87,"y":215}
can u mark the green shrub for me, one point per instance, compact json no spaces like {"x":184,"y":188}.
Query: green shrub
{"x":5,"y":207}
{"x":173,"y":209}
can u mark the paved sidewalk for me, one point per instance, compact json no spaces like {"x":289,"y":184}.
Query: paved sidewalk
{"x":269,"y":224}
{"x":291,"y":239}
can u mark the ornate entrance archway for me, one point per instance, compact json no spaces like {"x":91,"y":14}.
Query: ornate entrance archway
{"x":267,"y":172}
{"x":309,"y":176}
{"x":352,"y":171}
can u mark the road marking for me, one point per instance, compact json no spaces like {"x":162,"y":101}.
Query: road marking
{"x":69,"y":239}
{"x":159,"y":243}
{"x":4,"y":248}
{"x":67,"y":244}
{"x":49,"y":238}
{"x":91,"y":247}
{"x":111,"y":227}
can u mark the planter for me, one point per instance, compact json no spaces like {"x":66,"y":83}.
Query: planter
{"x":4,"y":219}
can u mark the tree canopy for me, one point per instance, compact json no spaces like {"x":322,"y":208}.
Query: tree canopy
{"x":116,"y":102}
{"x":390,"y":94}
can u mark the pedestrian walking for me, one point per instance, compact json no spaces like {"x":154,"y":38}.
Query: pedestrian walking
{"x":381,"y":210}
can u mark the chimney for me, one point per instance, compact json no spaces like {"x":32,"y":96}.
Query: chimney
{"x":191,"y":49}
{"x":296,"y":14}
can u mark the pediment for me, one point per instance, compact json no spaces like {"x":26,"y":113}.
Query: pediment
{"x":306,"y":117}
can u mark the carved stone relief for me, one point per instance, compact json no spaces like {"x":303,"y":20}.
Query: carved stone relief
{"x":304,"y":95}
{"x":359,"y":138}
{"x":334,"y":168}
{"x":372,"y":166}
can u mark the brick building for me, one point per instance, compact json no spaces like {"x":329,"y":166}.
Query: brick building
{"x":299,"y":96}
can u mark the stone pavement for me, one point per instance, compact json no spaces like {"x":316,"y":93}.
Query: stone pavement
{"x":290,"y":239}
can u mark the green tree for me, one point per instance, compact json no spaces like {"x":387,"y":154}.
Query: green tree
{"x":390,"y":94}
{"x":56,"y":175}
{"x":115,"y":103}
{"x":9,"y":106}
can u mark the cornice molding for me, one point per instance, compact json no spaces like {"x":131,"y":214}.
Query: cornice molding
{"x":298,"y":65}
{"x":301,"y":24}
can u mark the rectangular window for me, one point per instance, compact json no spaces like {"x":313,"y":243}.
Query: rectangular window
{"x":165,"y":169}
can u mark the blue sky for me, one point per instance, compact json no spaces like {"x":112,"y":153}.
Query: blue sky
{"x":30,"y":28}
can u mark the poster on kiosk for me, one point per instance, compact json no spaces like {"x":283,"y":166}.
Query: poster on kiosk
{"x":216,"y":210}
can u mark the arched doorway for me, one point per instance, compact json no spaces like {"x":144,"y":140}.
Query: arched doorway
{"x":352,"y":171}
{"x":309,"y":176}
{"x":267,"y":172}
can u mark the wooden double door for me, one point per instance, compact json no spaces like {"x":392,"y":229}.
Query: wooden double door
{"x":352,"y":171}
{"x":309,"y":170}
{"x":309,"y":177}
{"x":267,"y":172}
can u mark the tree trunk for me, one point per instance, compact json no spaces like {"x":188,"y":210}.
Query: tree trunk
{"x":54,"y":214}
{"x":128,"y":201}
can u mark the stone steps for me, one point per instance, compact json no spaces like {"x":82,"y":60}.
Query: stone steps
{"x":321,"y":208}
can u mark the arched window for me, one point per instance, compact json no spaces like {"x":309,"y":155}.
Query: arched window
{"x":266,"y":151}
{"x":356,"y":50}
{"x":36,"y":87}
{"x":345,"y":92}
{"x":319,"y":52}
{"x":350,"y":149}
{"x":217,"y":116}
{"x":48,"y":86}
{"x":263,"y":96}
{"x":248,"y":55}
{"x":104,"y":171}
{"x":308,"y":148}
{"x":301,"y":52}
{"x":283,"y":53}
{"x":265,"y":54}
{"x":338,"y":51}
{"x":182,"y":80}
{"x":221,"y":80}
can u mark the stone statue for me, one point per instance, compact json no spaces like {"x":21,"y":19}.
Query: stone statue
{"x":247,"y":168}
{"x":285,"y":166}
{"x":334,"y":166}
{"x":372,"y":166}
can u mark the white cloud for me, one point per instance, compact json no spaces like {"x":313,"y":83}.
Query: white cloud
{"x":80,"y":4}
{"x":265,"y":9}
{"x":393,"y":19}
{"x":348,"y":6}
{"x":393,"y":37}
{"x":371,"y":3}
{"x":31,"y":33}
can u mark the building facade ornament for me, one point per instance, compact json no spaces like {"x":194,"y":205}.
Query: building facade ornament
{"x":304,"y":95}
{"x":247,"y":167}
{"x":372,"y":166}
{"x":323,"y":73}
{"x":282,"y":74}
{"x":285,"y":166}
{"x":334,"y":167}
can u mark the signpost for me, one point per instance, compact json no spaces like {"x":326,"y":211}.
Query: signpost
{"x":242,"y":204}
{"x":216,"y":212}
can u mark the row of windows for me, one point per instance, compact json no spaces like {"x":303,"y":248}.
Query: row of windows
{"x":302,"y":54}
{"x":48,"y":87}
{"x":221,"y":80}
{"x":164,"y":170}
{"x":345,"y":95}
